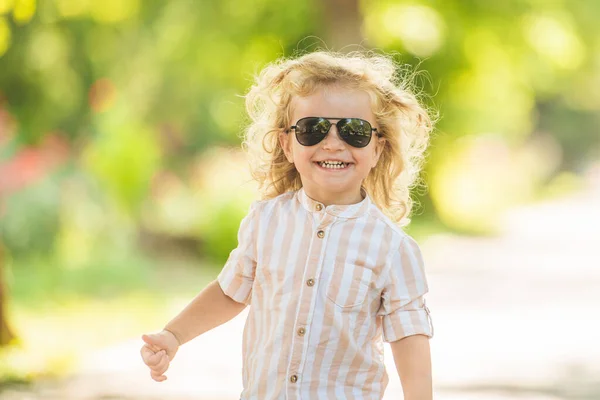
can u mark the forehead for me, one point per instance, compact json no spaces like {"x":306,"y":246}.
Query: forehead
{"x":333,"y":101}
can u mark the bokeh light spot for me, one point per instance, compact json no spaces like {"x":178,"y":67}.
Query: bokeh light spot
{"x":24,"y":10}
{"x":6,"y":6}
{"x":555,"y":40}
{"x":73,"y":8}
{"x":47,"y":49}
{"x":114,"y":10}
{"x":419,"y":28}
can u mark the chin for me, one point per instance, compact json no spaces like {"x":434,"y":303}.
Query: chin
{"x":333,"y":188}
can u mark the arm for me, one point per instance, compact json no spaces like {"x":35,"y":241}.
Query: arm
{"x":206,"y":311}
{"x":209,"y":309}
{"x":413,"y":362}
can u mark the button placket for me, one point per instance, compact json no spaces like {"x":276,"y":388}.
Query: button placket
{"x":314,"y":263}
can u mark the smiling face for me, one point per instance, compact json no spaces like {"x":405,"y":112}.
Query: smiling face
{"x":332,"y":182}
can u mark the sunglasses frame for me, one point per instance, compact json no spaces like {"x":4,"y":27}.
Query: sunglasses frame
{"x":294,"y":127}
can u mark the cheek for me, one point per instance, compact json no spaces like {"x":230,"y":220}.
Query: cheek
{"x":301,"y":153}
{"x":366,"y":157}
{"x":296,"y":151}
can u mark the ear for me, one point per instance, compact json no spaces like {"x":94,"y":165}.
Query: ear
{"x":286,"y":144}
{"x":379,"y":146}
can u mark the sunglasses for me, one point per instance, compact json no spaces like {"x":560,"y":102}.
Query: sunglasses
{"x":354,"y":131}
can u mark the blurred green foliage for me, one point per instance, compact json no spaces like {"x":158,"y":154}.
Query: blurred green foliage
{"x":145,"y":94}
{"x":120,"y":124}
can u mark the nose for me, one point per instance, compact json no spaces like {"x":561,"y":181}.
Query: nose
{"x":332,"y":141}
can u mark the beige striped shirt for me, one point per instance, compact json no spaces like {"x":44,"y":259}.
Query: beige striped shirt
{"x":326,"y":286}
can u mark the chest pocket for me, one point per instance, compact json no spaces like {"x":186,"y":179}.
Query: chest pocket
{"x":348,"y":286}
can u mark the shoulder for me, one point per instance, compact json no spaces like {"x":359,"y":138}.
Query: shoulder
{"x":268,"y":206}
{"x":399,"y":244}
{"x":403,"y":253}
{"x":391,"y":229}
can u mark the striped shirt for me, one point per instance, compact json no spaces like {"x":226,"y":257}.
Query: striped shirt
{"x":326,"y":285}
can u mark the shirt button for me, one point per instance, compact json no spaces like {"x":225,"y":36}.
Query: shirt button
{"x":301,"y":331}
{"x":310,"y":282}
{"x":321,"y":234}
{"x":319,"y":207}
{"x":294,"y":378}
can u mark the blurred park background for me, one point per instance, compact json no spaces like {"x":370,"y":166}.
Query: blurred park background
{"x":122,"y":182}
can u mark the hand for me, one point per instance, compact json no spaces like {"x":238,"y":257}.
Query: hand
{"x":158,"y":352}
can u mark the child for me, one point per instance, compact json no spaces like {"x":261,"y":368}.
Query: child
{"x":322,"y":261}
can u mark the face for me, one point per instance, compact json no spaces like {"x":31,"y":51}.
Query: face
{"x":326,"y":183}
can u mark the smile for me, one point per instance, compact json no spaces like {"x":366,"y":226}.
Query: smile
{"x":333,"y":164}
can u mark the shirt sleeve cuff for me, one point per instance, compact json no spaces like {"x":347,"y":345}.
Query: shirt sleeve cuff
{"x":405,"y":323}
{"x":238,"y":287}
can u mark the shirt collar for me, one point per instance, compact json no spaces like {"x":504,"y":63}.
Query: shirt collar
{"x":342,"y":211}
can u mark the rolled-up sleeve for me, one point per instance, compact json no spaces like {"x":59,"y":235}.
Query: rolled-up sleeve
{"x":403,"y":309}
{"x":237,"y":276}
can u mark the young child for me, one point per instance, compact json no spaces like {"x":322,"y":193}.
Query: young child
{"x":322,"y":260}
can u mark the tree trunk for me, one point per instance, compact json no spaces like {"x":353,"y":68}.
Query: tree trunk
{"x":6,"y":335}
{"x":343,"y":22}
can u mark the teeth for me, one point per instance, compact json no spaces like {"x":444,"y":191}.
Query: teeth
{"x":333,"y":164}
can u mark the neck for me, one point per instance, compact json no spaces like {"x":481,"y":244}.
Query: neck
{"x":329,"y":198}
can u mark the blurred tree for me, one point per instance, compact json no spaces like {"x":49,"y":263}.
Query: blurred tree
{"x":342,"y":22}
{"x":25,"y":168}
{"x":143,"y":89}
{"x":6,"y":334}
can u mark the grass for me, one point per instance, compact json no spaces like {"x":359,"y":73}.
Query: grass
{"x":60,"y":315}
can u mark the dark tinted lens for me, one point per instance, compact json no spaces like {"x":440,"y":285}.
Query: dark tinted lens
{"x":310,"y":131}
{"x":356,"y":132}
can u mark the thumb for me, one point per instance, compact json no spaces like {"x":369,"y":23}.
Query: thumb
{"x":154,"y":341}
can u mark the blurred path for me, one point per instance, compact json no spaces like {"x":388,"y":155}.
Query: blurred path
{"x":518,"y":315}
{"x":515,"y":318}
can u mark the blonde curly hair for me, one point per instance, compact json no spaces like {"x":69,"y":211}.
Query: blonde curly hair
{"x":403,"y":121}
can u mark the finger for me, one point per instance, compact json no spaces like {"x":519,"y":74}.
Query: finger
{"x":154,"y":348}
{"x":162,"y":366}
{"x":158,"y":377}
{"x":153,"y":359}
{"x":151,"y":347}
{"x":160,"y":362}
{"x":157,"y":358}
{"x":152,"y":342}
{"x":146,"y":352}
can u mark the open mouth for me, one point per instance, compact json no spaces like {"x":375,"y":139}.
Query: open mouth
{"x":333,"y":164}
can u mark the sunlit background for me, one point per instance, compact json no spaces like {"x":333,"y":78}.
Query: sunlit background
{"x":122,"y":185}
